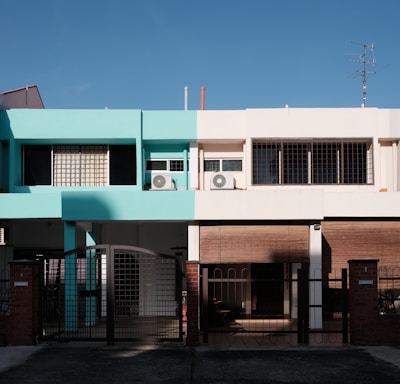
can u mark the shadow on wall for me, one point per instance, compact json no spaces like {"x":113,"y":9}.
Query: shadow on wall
{"x":82,"y":206}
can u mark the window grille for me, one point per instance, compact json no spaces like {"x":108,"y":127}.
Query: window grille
{"x":80,"y":165}
{"x":312,"y":162}
{"x":164,"y":165}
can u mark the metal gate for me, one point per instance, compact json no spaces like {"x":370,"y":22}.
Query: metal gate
{"x":272,"y":307}
{"x":112,"y":293}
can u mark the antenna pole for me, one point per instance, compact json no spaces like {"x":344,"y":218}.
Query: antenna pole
{"x":364,"y":72}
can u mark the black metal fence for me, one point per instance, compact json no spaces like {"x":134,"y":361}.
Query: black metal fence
{"x":273,"y":307}
{"x":111,"y":293}
{"x":4,"y":293}
{"x":389,"y":290}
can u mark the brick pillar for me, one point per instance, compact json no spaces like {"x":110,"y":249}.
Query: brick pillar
{"x":363,"y":301}
{"x":24,"y":302}
{"x":192,"y":278}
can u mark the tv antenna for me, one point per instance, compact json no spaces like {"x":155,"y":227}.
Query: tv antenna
{"x":367,"y":59}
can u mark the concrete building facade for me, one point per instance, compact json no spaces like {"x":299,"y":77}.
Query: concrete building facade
{"x":247,"y":194}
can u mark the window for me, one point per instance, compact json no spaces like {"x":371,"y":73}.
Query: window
{"x":122,"y":164}
{"x":266,"y":164}
{"x":164,"y":165}
{"x":37,"y":165}
{"x":79,"y":165}
{"x":312,"y":162}
{"x":224,"y":165}
{"x":212,"y":165}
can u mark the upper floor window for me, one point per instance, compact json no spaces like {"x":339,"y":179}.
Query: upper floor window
{"x":312,"y":162}
{"x":79,"y":165}
{"x":37,"y":165}
{"x":224,"y":165}
{"x":171,"y":165}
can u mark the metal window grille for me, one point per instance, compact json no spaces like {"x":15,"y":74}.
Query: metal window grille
{"x":313,"y":162}
{"x":176,"y":165}
{"x":80,"y":165}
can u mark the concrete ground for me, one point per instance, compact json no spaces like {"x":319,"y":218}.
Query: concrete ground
{"x":123,"y":363}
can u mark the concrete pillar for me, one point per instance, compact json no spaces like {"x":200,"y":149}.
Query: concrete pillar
{"x":71,"y":286}
{"x":192,"y":277}
{"x":24,"y":302}
{"x":193,"y":242}
{"x":315,"y":252}
{"x":363,"y":301}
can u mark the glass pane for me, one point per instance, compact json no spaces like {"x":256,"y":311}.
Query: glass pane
{"x":325,"y":163}
{"x":355,"y":163}
{"x":232,"y":165}
{"x":176,"y":165}
{"x":265,"y":163}
{"x":156,"y":165}
{"x":37,"y":165}
{"x":122,"y":164}
{"x":295,"y":163}
{"x":211,"y":165}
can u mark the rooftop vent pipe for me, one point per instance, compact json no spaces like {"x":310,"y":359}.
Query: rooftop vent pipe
{"x":186,"y":98}
{"x":202,"y":96}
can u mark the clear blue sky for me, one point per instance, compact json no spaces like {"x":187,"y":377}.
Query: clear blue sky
{"x":247,"y":53}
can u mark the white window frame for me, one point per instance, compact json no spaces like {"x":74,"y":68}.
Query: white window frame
{"x":168,"y":166}
{"x":221,"y":160}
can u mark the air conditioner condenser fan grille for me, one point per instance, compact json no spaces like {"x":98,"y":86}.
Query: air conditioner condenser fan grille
{"x":219,"y":180}
{"x":159,"y":181}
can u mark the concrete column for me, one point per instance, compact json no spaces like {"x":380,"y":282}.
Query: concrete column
{"x":194,"y":166}
{"x":193,"y":242}
{"x":315,"y":252}
{"x":185,"y":168}
{"x":71,"y":286}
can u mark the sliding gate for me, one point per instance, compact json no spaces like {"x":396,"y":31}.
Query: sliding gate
{"x":111,"y":293}
{"x":263,"y":305}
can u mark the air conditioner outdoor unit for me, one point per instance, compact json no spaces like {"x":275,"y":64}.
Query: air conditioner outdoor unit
{"x":162,"y":182}
{"x":222,"y":181}
{"x":2,"y":236}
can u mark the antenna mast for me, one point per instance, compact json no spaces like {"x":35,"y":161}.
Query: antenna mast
{"x":367,"y":61}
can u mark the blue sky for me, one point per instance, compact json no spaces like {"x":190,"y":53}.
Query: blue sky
{"x":248,"y":54}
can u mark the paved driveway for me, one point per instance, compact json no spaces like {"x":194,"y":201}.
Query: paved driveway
{"x":98,"y":363}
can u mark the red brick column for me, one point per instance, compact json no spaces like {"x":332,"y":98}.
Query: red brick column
{"x":363,"y":301}
{"x":24,"y":302}
{"x":192,"y":278}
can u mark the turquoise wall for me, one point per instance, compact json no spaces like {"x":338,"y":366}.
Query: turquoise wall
{"x":169,"y":125}
{"x":75,"y":126}
{"x":157,"y":134}
{"x":28,"y":206}
{"x":143,"y":205}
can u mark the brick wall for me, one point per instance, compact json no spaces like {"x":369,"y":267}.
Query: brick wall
{"x":192,"y":277}
{"x":367,"y":326}
{"x":24,"y":303}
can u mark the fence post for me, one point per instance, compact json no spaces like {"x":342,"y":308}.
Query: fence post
{"x":345,"y":308}
{"x":205,"y":312}
{"x":303,"y":307}
{"x":24,"y":302}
